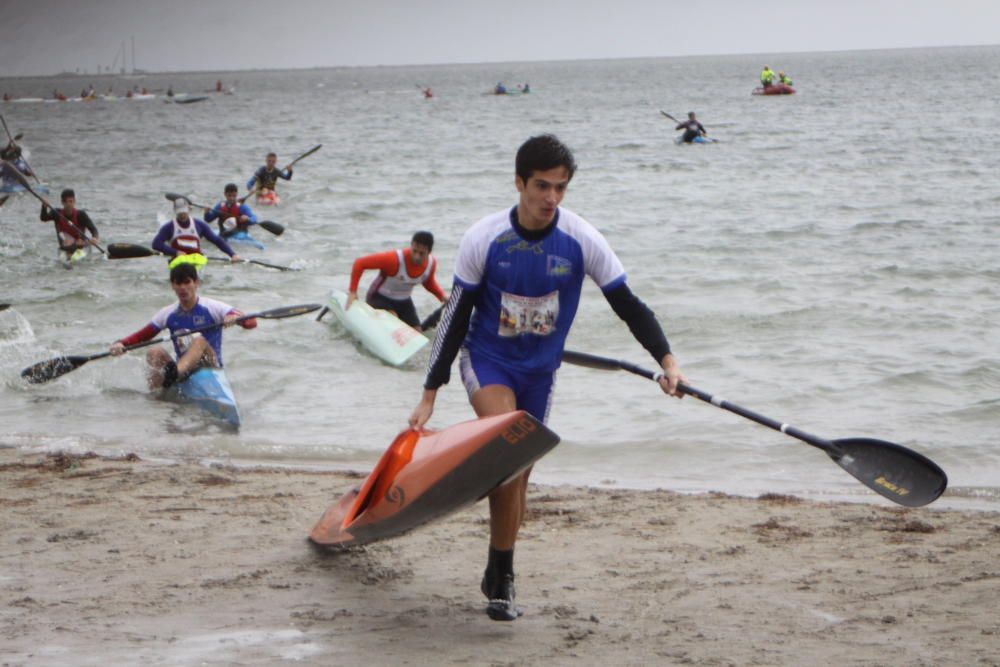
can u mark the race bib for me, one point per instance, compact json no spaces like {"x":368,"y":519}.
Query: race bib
{"x":535,"y":315}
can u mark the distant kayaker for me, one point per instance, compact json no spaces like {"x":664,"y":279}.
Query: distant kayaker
{"x":692,"y":128}
{"x":232,"y":216}
{"x":182,"y":235}
{"x":72,"y":224}
{"x":266,"y":177}
{"x":170,"y":91}
{"x":518,"y":279}
{"x":191,"y":311}
{"x":500,"y":89}
{"x":767,"y":77}
{"x":525,"y":88}
{"x":399,"y":272}
{"x":782,"y":78}
{"x":428,"y":93}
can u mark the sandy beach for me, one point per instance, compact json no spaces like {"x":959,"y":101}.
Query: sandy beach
{"x":124,"y":562}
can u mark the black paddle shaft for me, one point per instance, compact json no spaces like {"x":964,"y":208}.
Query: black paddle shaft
{"x":53,"y":368}
{"x":893,"y":471}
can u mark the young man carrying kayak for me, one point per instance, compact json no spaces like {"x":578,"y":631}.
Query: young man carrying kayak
{"x":232,"y":216}
{"x":72,"y":225}
{"x":692,"y":128}
{"x":266,"y":178}
{"x":518,"y":277}
{"x":182,"y":235}
{"x":190,"y":312}
{"x":399,"y":272}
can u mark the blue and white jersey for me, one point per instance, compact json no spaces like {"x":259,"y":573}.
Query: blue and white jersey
{"x":206,"y":311}
{"x":527,"y":290}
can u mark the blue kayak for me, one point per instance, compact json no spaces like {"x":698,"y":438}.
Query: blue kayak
{"x":9,"y":187}
{"x":244,"y":237}
{"x":209,"y":389}
{"x":696,"y":140}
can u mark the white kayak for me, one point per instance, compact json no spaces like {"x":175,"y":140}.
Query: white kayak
{"x":379,"y":331}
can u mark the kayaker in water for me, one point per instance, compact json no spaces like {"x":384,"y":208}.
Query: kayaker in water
{"x":428,"y":93}
{"x":692,"y":128}
{"x":182,"y":235}
{"x":517,"y":284}
{"x":266,"y":177}
{"x":767,"y":77}
{"x":190,"y":312}
{"x":787,"y":80}
{"x":72,"y":224}
{"x":232,"y":216}
{"x":500,"y":89}
{"x":393,"y":288}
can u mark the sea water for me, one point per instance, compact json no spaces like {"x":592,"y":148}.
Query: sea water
{"x":831,"y":262}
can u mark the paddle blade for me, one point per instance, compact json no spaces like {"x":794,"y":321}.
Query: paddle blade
{"x":129,"y":251}
{"x":51,"y":369}
{"x":273,"y":227}
{"x":305,"y":155}
{"x":173,"y":196}
{"x":893,"y":471}
{"x":288,"y":311}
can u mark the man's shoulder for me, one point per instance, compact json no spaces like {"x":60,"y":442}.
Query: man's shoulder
{"x":486,"y":229}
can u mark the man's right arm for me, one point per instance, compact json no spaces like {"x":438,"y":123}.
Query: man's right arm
{"x":160,"y":241}
{"x":451,"y":332}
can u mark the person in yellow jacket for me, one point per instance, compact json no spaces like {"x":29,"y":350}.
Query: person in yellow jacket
{"x":767,"y":77}
{"x":784,"y":78}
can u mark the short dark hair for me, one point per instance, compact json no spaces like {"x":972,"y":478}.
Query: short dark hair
{"x":231,"y":187}
{"x":272,"y":154}
{"x":424,"y":238}
{"x":184,"y":272}
{"x":66,"y":194}
{"x":542,"y":153}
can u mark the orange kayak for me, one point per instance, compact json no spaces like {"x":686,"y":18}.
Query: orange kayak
{"x":426,"y":475}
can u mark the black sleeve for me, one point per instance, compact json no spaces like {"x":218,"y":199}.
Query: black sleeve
{"x":47,"y":215}
{"x":640,"y":319}
{"x":450,"y":336}
{"x":682,"y":126}
{"x":86,"y":222}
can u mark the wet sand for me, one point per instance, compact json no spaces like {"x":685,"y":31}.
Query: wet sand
{"x":113,"y":562}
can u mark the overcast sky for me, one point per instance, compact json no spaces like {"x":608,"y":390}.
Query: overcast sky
{"x":49,"y":36}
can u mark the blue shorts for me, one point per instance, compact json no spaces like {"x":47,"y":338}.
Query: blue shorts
{"x":532,"y":391}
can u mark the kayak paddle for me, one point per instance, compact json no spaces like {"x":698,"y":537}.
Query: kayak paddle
{"x":53,"y":368}
{"x":134,"y":251}
{"x":4,"y":306}
{"x":893,"y":471}
{"x":304,"y":155}
{"x":669,"y":116}
{"x":19,"y":177}
{"x":275,"y":228}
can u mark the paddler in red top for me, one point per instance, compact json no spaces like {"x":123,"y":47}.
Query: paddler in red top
{"x":72,"y":224}
{"x":399,"y":272}
{"x":190,"y":312}
{"x":182,"y":235}
{"x":232,"y":215}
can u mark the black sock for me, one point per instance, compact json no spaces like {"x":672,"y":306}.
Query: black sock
{"x":500,"y":562}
